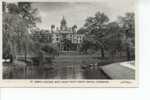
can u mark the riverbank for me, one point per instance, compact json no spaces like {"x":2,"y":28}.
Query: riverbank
{"x":70,"y":67}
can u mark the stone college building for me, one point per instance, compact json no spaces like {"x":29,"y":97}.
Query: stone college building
{"x":66,"y":38}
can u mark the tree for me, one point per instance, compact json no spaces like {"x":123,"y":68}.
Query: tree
{"x":127,"y":24}
{"x":12,"y":33}
{"x":82,"y":30}
{"x":18,"y":21}
{"x":96,"y":27}
{"x":113,"y":38}
{"x":88,"y":45}
{"x":50,"y":49}
{"x":29,"y":14}
{"x":43,"y":52}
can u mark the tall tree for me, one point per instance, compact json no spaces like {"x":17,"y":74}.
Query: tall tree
{"x":18,"y":21}
{"x":96,"y":27}
{"x":13,"y":33}
{"x":127,"y":24}
{"x":113,"y":38}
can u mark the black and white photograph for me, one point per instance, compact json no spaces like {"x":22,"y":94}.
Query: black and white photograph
{"x":69,"y":40}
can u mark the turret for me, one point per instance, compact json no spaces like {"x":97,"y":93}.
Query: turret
{"x":63,"y":24}
{"x":52,"y":28}
{"x":74,"y":28}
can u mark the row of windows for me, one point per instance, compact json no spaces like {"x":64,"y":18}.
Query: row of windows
{"x":57,"y":38}
{"x":73,"y":40}
{"x":70,"y":36}
{"x":77,"y":36}
{"x":77,"y":41}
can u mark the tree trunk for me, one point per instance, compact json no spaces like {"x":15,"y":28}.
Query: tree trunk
{"x":128,"y":53}
{"x":25,"y":53}
{"x":11,"y":59}
{"x":102,"y":53}
{"x":25,"y":56}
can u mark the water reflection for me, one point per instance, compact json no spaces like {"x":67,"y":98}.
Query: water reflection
{"x":54,"y":72}
{"x":69,"y":72}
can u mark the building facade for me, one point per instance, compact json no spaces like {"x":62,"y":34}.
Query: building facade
{"x":43,"y":36}
{"x":66,"y":37}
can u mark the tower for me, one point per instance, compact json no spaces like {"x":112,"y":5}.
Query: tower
{"x":63,"y":24}
{"x":52,"y":28}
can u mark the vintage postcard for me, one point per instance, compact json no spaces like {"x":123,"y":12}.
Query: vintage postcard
{"x":68,"y":43}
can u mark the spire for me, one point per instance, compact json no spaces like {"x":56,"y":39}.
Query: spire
{"x":63,"y":23}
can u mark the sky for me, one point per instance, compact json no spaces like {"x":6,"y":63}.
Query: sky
{"x":77,"y":12}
